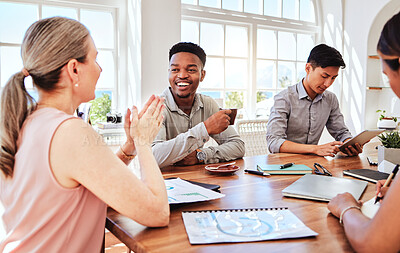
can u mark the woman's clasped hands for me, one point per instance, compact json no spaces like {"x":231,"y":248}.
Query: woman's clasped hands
{"x":142,"y":127}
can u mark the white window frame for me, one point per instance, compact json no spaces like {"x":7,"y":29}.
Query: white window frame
{"x":253,"y":21}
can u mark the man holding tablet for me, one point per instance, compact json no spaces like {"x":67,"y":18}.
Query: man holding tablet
{"x":301,"y":111}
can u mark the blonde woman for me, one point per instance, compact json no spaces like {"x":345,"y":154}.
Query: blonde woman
{"x":382,"y":233}
{"x":57,"y":175}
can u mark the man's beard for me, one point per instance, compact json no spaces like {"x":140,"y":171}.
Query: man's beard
{"x":180,"y":96}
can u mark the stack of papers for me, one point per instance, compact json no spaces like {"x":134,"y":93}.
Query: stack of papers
{"x":181,"y":191}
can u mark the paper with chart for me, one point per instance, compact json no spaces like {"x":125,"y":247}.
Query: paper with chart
{"x":181,"y":191}
{"x":243,"y":225}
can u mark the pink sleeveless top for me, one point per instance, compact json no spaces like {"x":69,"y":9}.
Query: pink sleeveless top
{"x":40,"y":215}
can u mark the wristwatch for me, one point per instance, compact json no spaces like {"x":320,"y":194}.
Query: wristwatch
{"x":201,"y":156}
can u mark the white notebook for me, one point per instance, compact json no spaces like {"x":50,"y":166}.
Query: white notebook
{"x":243,"y":225}
{"x":323,"y":188}
{"x":369,"y":208}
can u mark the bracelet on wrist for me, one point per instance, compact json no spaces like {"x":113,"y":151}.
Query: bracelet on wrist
{"x":125,"y":155}
{"x":345,"y":210}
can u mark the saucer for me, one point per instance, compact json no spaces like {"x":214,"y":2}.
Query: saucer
{"x":222,"y":169}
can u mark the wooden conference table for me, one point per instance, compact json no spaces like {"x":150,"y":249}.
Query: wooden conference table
{"x":244,"y":190}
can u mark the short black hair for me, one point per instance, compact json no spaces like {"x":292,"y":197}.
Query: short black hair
{"x":389,"y":41}
{"x":190,"y":48}
{"x":325,"y":56}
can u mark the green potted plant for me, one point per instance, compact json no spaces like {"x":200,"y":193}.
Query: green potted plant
{"x":389,"y":151}
{"x":386,"y":122}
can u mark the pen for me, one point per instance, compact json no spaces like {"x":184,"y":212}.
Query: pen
{"x":257,"y":172}
{"x":287,"y":165}
{"x":388,"y":181}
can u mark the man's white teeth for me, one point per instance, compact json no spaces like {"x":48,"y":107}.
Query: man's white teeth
{"x":182,"y":84}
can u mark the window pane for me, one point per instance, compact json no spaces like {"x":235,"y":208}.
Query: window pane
{"x":291,"y":9}
{"x":107,"y":76}
{"x":253,"y":6}
{"x":301,"y":72}
{"x":236,"y":73}
{"x":286,"y":71}
{"x":266,"y":44}
{"x":213,"y":94}
{"x":234,"y":99}
{"x":233,"y":5}
{"x":272,"y":8}
{"x":236,"y":38}
{"x":10,"y":62}
{"x":99,"y":93}
{"x":214,"y":73}
{"x":305,"y":43}
{"x":15,"y":20}
{"x":216,"y":95}
{"x":266,"y":74}
{"x":189,"y":2}
{"x":212,"y":38}
{"x":190,"y":31}
{"x":101,"y":27}
{"x":210,"y":3}
{"x":307,"y":10}
{"x":51,"y":11}
{"x":287,"y":46}
{"x":265,"y":100}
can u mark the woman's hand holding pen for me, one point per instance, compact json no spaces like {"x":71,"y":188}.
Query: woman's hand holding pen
{"x":380,"y":190}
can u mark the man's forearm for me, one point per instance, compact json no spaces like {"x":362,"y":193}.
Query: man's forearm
{"x":292,"y":147}
{"x":231,"y":150}
{"x":171,"y":151}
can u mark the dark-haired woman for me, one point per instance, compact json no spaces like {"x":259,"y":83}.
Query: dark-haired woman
{"x":382,"y":233}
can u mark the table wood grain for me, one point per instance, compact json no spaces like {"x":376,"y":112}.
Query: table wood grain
{"x":244,"y":190}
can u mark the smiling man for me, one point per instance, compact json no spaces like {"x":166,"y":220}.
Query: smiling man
{"x":301,"y":111}
{"x":190,"y":118}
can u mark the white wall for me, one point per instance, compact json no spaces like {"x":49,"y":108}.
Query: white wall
{"x":331,"y":22}
{"x":161,"y":28}
{"x":359,"y":16}
{"x":378,"y":99}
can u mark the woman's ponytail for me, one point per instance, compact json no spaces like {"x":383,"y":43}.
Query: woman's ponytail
{"x":16,"y":105}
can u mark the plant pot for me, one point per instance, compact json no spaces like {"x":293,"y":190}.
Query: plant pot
{"x":388,"y":158}
{"x":386,"y":123}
